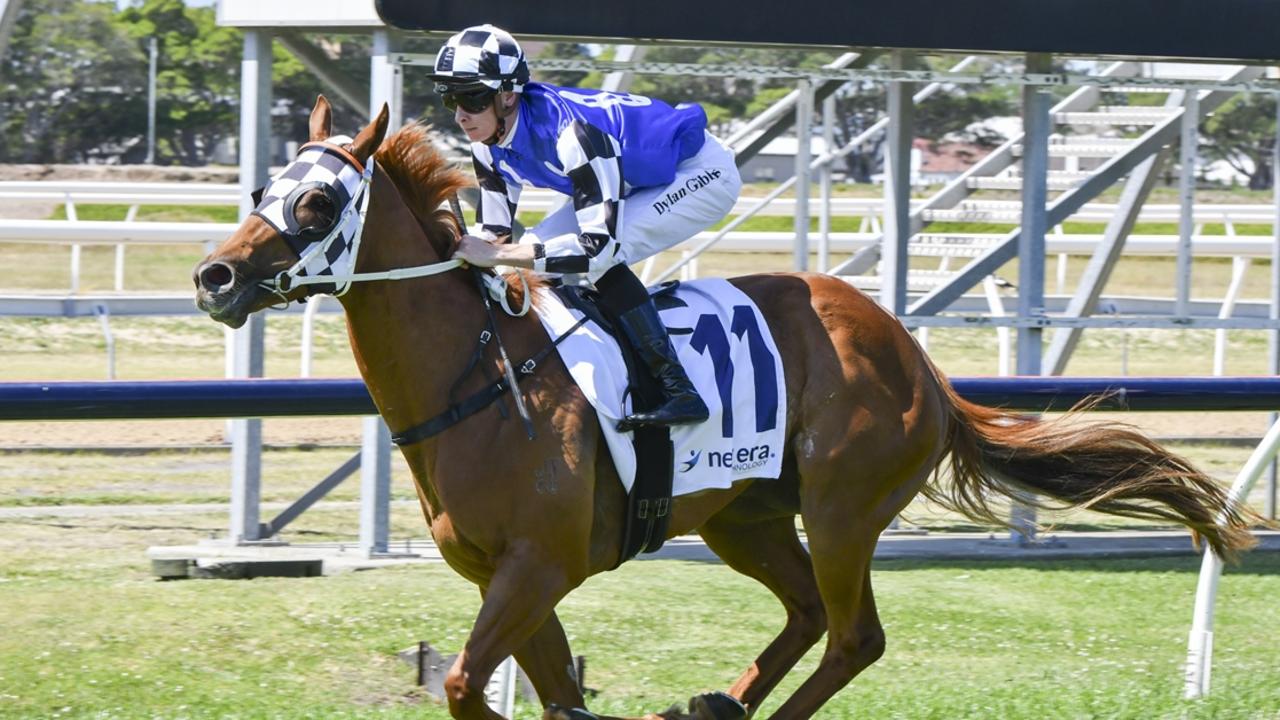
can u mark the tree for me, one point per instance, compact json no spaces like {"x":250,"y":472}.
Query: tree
{"x":197,"y":81}
{"x":75,"y":82}
{"x":1242,"y":133}
{"x":73,"y":85}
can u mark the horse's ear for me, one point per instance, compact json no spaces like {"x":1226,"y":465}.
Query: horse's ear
{"x":321,"y":120}
{"x":371,"y":137}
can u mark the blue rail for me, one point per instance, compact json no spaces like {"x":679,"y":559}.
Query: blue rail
{"x":1124,"y":393}
{"x":120,"y":400}
{"x":269,"y":398}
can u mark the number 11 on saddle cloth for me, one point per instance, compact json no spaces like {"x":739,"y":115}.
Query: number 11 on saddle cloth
{"x":729,"y":354}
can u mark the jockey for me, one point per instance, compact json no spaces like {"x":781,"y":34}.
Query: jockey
{"x":642,"y":176}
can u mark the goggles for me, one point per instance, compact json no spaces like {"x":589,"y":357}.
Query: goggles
{"x":473,"y":101}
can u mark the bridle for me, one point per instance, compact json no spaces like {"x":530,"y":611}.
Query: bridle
{"x":357,"y":206}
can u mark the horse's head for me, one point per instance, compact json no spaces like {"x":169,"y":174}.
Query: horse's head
{"x":305,"y":223}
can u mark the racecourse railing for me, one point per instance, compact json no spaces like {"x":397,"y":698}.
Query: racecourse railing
{"x":236,"y":398}
{"x":146,"y":193}
{"x":78,"y":233}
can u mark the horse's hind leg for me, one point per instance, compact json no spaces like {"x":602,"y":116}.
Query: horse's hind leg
{"x":770,"y":552}
{"x":843,"y":522}
{"x":855,"y":641}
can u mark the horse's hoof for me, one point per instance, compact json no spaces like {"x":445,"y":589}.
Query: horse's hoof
{"x":716,"y":706}
{"x":555,"y":712}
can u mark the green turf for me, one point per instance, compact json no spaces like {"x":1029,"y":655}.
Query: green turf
{"x":87,"y":633}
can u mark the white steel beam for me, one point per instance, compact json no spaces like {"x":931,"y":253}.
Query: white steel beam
{"x":1273,"y":347}
{"x":375,"y":449}
{"x":93,"y":232}
{"x":619,"y":81}
{"x":1108,"y":252}
{"x":824,"y":190}
{"x":346,"y":90}
{"x":375,"y":487}
{"x":897,"y":193}
{"x":247,"y":350}
{"x":804,"y":133}
{"x":1186,"y":198}
{"x":383,"y":82}
{"x":1035,"y":170}
{"x":1101,"y":81}
{"x":1153,"y":322}
{"x":1068,"y":203}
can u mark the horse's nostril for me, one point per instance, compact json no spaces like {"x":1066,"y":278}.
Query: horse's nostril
{"x":216,"y":276}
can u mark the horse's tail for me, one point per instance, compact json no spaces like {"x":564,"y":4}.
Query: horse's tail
{"x":1107,"y":467}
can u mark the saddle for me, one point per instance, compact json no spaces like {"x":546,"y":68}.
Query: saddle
{"x":649,"y":502}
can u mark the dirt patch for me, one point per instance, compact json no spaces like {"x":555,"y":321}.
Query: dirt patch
{"x":118,"y":173}
{"x":175,"y":433}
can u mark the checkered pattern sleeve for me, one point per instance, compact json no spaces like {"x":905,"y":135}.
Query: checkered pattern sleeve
{"x":498,"y":198}
{"x":592,"y":160}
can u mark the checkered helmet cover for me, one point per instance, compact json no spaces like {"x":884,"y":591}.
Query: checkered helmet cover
{"x":482,"y":54}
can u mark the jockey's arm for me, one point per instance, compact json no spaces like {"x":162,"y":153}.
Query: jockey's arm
{"x":489,"y":243}
{"x":498,"y":198}
{"x":482,"y":252}
{"x":591,"y":158}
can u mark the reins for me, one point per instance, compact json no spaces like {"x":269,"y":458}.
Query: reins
{"x":488,"y":309}
{"x":459,"y":411}
{"x":486,"y":285}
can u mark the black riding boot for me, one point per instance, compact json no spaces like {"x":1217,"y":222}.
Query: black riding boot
{"x":646,"y":333}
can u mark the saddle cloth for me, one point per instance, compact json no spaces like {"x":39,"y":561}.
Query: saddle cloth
{"x":727,"y":350}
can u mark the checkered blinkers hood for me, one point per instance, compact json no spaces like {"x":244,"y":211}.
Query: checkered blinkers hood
{"x":483,"y":54}
{"x":322,"y":250}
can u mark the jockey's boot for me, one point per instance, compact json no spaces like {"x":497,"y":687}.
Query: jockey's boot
{"x":646,"y":333}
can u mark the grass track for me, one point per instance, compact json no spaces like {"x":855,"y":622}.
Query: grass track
{"x":88,"y":634}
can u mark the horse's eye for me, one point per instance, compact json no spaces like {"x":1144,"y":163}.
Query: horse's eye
{"x":322,"y":205}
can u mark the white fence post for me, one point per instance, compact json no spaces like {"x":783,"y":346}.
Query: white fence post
{"x":308,"y":334}
{"x":1239,"y":265}
{"x":1200,"y":642}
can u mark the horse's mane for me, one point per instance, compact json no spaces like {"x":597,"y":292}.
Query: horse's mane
{"x":426,"y":180}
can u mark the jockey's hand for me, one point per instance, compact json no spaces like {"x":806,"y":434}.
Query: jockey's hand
{"x":483,"y":253}
{"x":477,"y":251}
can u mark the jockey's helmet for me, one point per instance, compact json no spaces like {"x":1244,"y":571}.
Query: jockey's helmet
{"x":482,"y":56}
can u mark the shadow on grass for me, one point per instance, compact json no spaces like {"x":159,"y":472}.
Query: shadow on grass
{"x":1261,"y":563}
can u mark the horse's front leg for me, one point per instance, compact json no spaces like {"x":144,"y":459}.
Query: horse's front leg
{"x":518,"y":603}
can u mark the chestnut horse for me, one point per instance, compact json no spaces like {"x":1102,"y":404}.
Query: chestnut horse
{"x":869,"y":421}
